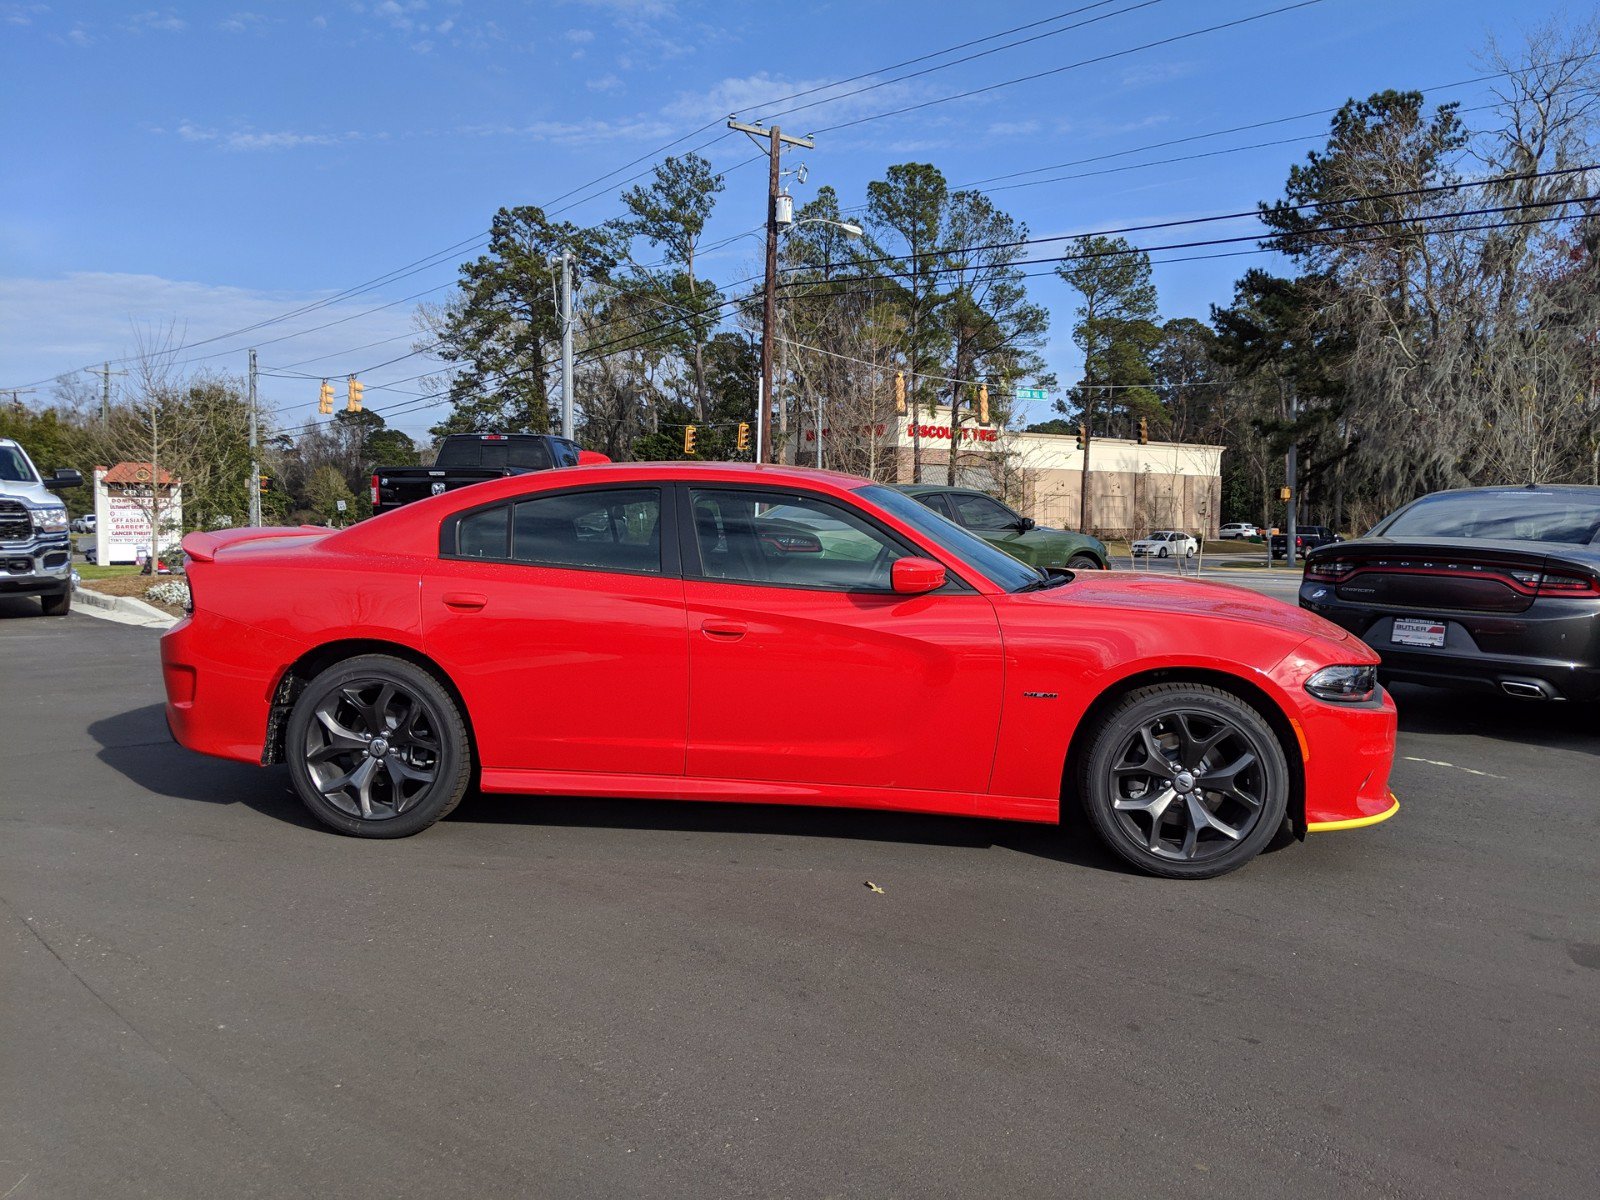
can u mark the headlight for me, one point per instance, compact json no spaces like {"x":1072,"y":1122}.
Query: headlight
{"x":50,"y":520}
{"x":1344,"y":685}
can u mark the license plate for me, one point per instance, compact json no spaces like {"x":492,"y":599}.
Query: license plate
{"x":1417,"y":633}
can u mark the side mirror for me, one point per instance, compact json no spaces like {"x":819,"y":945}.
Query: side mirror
{"x":1026,"y":523}
{"x":914,"y":576}
{"x":64,"y":477}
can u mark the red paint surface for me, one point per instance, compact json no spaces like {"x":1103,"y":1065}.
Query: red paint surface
{"x":589,"y":682}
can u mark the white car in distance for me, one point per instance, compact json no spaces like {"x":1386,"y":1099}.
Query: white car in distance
{"x":1166,"y":543}
{"x":1238,"y":529}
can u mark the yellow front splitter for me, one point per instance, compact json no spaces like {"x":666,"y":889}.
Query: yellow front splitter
{"x":1355,"y":822}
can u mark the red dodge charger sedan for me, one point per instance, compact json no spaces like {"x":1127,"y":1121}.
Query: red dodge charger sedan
{"x":767,"y":634}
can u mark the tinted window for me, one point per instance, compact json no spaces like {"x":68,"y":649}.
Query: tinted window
{"x":523,"y":454}
{"x":610,"y":530}
{"x":794,"y":541}
{"x":980,"y":512}
{"x":483,"y":534}
{"x":566,"y":452}
{"x":1000,"y":567}
{"x":1505,"y":516}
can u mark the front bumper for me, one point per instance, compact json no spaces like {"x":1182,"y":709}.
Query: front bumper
{"x":42,"y":566}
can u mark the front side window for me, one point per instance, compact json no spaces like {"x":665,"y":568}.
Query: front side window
{"x":791,"y":541}
{"x":980,"y":512}
{"x":13,"y":467}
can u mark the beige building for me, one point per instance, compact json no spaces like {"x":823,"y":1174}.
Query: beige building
{"x":1133,"y":489}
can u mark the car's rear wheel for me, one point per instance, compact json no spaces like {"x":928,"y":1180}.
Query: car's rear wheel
{"x":1184,"y":781}
{"x":58,"y":605}
{"x":378,"y":748}
{"x":1083,"y":562}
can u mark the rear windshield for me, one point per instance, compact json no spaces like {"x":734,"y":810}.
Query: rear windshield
{"x":1521,"y":516}
{"x":523,"y":454}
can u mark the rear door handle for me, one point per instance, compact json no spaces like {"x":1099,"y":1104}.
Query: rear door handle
{"x":725,"y":630}
{"x":465,"y":601}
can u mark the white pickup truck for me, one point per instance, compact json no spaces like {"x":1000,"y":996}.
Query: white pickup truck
{"x":35,"y":551}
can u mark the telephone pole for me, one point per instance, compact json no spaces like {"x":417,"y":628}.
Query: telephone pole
{"x":776,"y":140}
{"x":255,"y":456}
{"x":105,"y":372}
{"x":1083,"y":498}
{"x":566,"y":344}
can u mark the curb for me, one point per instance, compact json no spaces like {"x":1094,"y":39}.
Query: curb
{"x":123,"y":609}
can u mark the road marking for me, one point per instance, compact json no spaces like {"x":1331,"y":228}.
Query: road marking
{"x":1434,"y":762}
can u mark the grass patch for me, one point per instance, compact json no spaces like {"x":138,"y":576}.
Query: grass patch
{"x":88,"y":571}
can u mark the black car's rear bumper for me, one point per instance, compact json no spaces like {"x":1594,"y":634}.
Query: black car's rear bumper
{"x":1551,"y":650}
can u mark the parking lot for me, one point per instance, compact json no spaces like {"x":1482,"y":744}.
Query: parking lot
{"x":206,"y":994}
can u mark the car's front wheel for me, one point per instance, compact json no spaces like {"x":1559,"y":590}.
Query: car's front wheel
{"x":58,"y":605}
{"x":378,"y":748}
{"x":1184,"y":781}
{"x":1083,"y":562}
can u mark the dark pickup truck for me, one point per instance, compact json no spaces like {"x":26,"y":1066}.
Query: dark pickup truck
{"x":467,"y":458}
{"x":1306,"y":537}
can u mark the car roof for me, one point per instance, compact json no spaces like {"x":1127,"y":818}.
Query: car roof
{"x":924,"y":489}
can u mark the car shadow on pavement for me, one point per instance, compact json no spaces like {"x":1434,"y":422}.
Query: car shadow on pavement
{"x":1551,"y":724}
{"x":136,"y":744}
{"x":1066,"y":845}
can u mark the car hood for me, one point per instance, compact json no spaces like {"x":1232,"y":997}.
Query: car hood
{"x":32,"y":494}
{"x":1127,"y":590}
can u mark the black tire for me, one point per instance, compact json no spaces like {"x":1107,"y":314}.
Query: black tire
{"x":419,"y":773}
{"x":1188,"y":553}
{"x":58,"y":605}
{"x":1139,"y":786}
{"x":1083,"y":562}
{"x":1163,"y":553}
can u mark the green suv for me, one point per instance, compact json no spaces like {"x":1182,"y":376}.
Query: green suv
{"x":1018,"y":536}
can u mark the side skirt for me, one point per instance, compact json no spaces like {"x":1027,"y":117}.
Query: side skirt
{"x":744,"y":791}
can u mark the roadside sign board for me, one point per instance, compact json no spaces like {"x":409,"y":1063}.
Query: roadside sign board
{"x":1031,"y":394}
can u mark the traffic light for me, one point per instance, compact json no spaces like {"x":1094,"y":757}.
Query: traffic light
{"x":688,"y":439}
{"x":325,"y":403}
{"x":353,"y":395}
{"x":1144,"y":431}
{"x":744,"y":436}
{"x":266,"y":483}
{"x":983,"y":404}
{"x":1285,"y":494}
{"x":900,"y":391}
{"x":1083,"y":435}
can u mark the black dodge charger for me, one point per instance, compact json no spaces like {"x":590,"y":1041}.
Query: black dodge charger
{"x":1489,"y":588}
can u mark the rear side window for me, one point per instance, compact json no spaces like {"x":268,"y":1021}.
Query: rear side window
{"x":1521,"y":516}
{"x":523,"y":454}
{"x":484,"y":534}
{"x":608,"y":530}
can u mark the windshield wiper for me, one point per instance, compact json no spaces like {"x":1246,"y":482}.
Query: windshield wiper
{"x":1044,"y":582}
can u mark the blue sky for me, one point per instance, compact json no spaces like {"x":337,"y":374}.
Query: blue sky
{"x":208,"y":166}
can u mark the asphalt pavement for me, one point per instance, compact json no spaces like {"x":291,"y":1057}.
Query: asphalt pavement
{"x":204,"y":994}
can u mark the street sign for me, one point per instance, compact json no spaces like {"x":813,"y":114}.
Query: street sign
{"x":340,"y":505}
{"x":1031,"y":394}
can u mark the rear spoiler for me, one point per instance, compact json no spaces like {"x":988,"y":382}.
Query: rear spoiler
{"x":203,"y":547}
{"x":589,"y":458}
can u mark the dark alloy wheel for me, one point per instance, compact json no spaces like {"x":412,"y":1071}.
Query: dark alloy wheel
{"x":378,"y":748}
{"x":1185,"y":781}
{"x":1163,"y":553}
{"x":1082,"y":562}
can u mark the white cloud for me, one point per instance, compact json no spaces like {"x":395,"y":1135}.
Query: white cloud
{"x":580,"y":37}
{"x":1147,"y":74}
{"x":1013,"y":128}
{"x":824,"y":102}
{"x":22,"y":14}
{"x":156,"y":21}
{"x":577,"y":133}
{"x":606,"y":83}
{"x":262,"y":139}
{"x":319,"y":22}
{"x":246,"y":22}
{"x":73,"y":320}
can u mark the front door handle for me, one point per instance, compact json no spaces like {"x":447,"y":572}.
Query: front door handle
{"x":724,"y":630}
{"x":465,"y":601}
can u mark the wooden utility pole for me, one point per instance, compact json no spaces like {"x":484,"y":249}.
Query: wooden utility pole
{"x":1083,"y":495}
{"x":105,"y":372}
{"x":775,"y":140}
{"x":255,"y":455}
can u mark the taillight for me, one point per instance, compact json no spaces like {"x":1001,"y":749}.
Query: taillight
{"x":374,"y":491}
{"x":1568,"y":585}
{"x":1329,"y":570}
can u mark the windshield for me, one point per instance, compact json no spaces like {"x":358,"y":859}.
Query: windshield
{"x":1521,"y":516}
{"x":997,"y":565}
{"x":14,"y":467}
